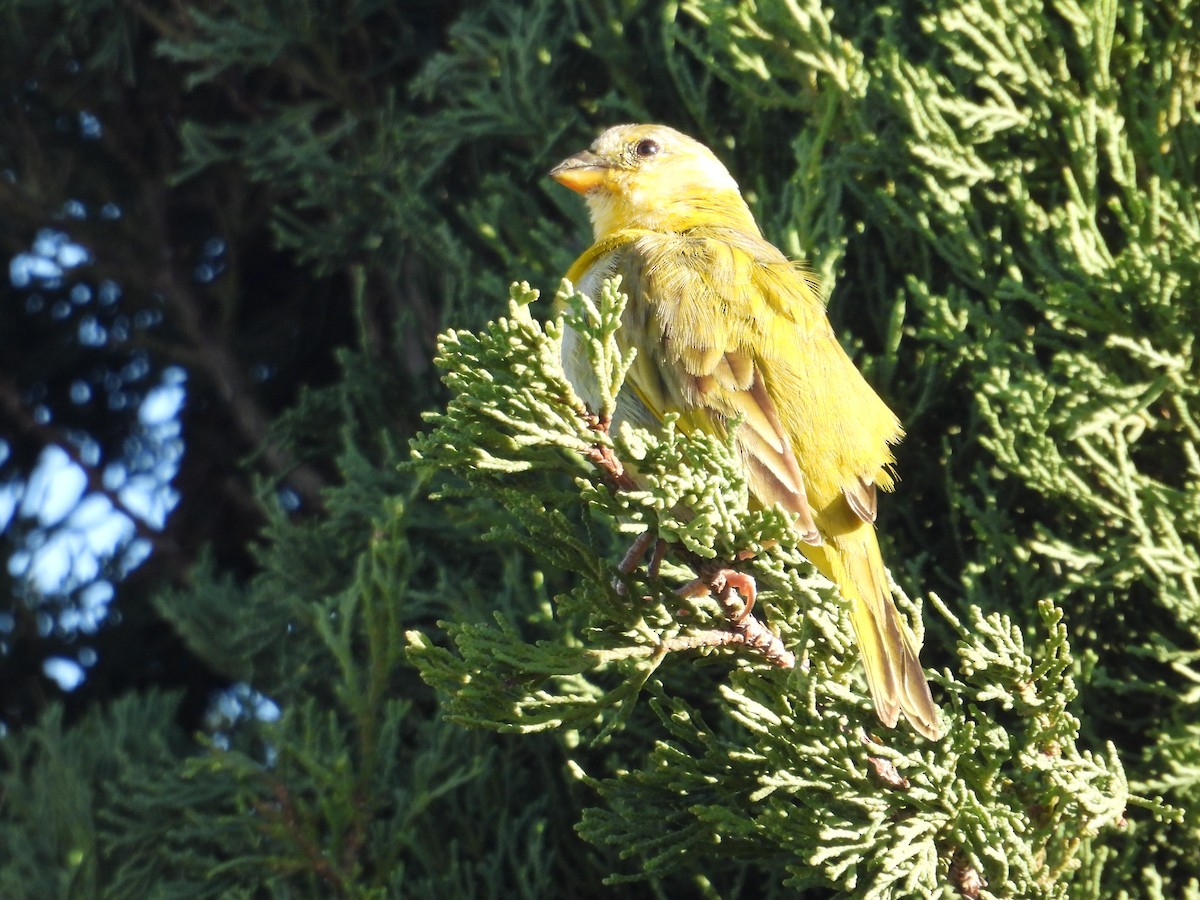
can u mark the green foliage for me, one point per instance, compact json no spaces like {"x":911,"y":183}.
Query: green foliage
{"x":75,"y":801}
{"x":1002,"y":201}
{"x":816,"y":801}
{"x":776,"y":768}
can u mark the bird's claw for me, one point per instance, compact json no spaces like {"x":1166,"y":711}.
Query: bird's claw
{"x":719,"y":583}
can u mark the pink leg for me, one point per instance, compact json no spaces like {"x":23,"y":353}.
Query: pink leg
{"x":722,"y":578}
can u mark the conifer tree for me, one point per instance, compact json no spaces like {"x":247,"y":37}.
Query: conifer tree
{"x":439,"y":680}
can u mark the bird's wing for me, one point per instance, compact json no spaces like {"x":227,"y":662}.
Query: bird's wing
{"x":738,"y":331}
{"x":841,"y":430}
{"x":698,"y":330}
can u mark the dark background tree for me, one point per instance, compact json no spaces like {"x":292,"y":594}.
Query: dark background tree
{"x":227,"y":198}
{"x":253,"y":189}
{"x":183,"y":273}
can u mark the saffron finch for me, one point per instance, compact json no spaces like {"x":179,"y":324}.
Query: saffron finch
{"x":726,"y":327}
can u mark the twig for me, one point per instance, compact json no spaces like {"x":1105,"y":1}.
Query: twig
{"x":603,"y":457}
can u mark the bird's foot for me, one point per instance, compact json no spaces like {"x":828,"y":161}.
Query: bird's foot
{"x":735,"y":591}
{"x":728,"y":586}
{"x":722,"y":583}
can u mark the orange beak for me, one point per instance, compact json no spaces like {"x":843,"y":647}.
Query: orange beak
{"x":581,"y":172}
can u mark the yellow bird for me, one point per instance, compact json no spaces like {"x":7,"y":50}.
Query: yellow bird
{"x":726,"y":327}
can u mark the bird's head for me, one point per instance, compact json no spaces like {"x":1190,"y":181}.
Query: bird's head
{"x":654,"y":177}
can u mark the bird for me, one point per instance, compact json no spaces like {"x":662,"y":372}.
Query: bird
{"x":732,"y":336}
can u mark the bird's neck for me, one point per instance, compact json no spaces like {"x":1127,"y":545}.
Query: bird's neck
{"x":612,"y":212}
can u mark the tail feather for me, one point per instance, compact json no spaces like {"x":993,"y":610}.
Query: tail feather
{"x":889,"y":654}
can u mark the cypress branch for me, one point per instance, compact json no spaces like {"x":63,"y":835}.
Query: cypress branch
{"x":772,"y":764}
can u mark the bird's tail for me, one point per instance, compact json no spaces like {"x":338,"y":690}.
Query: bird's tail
{"x":894,"y":674}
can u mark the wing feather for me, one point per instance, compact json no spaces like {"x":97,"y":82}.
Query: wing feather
{"x":728,"y":329}
{"x":863,"y":498}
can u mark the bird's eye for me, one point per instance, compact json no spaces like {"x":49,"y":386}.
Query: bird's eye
{"x":647,"y":148}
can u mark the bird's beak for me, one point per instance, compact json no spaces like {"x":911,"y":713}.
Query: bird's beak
{"x":581,"y":172}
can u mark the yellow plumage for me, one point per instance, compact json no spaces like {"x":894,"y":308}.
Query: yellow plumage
{"x":727,"y":328}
